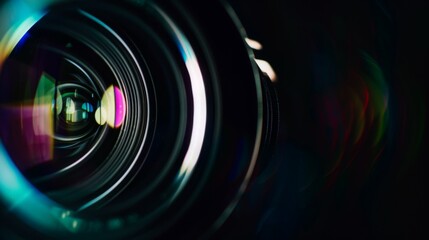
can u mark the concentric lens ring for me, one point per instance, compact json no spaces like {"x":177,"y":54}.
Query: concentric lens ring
{"x":148,"y":124}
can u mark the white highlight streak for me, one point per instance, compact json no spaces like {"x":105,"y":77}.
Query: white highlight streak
{"x":200,"y":102}
{"x":266,"y":68}
{"x":253,"y":44}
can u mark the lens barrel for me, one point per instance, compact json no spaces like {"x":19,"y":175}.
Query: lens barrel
{"x":128,"y":119}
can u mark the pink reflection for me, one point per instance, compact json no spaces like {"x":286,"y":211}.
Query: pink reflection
{"x":27,"y":134}
{"x":120,"y":107}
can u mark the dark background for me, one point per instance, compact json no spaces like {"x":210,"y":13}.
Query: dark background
{"x":375,"y":191}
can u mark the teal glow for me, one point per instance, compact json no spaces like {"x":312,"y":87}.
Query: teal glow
{"x":22,"y":198}
{"x":32,"y":206}
{"x":14,"y":35}
{"x":87,"y":107}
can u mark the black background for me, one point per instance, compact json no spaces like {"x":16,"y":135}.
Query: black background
{"x":296,"y":201}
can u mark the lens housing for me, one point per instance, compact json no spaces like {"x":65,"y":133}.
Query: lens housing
{"x":145,"y":119}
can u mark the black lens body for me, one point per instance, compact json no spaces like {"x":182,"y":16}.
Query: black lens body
{"x":132,"y":119}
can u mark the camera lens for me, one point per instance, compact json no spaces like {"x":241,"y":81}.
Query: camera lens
{"x":128,"y":118}
{"x":76,"y":106}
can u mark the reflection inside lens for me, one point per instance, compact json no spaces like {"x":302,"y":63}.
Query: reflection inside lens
{"x":112,"y":109}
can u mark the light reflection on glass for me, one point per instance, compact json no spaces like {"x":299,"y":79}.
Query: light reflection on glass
{"x":199,"y":100}
{"x":267,"y":69}
{"x":14,"y":35}
{"x":112,"y":109}
{"x":253,"y":44}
